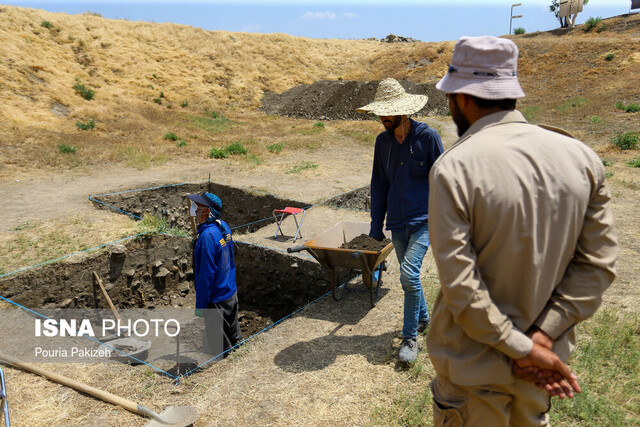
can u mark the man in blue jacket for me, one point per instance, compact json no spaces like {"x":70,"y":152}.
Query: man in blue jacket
{"x":402,"y":160}
{"x":215,"y":275}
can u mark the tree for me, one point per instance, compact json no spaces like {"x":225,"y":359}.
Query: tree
{"x":564,"y":21}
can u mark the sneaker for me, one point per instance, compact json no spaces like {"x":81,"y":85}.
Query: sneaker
{"x":408,"y":351}
{"x":423,"y":325}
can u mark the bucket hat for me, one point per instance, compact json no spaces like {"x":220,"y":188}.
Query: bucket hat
{"x":485,"y":67}
{"x":392,"y":100}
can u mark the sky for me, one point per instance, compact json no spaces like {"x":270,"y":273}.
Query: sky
{"x":425,"y":20}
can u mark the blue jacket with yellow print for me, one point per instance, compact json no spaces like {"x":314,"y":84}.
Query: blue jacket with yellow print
{"x":214,"y":267}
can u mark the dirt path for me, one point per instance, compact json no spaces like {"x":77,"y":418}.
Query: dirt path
{"x":58,"y":194}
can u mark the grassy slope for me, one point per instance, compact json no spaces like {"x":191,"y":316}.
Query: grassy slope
{"x":131,"y":64}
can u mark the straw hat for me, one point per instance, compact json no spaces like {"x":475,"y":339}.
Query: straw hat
{"x":392,"y":100}
{"x":485,"y":67}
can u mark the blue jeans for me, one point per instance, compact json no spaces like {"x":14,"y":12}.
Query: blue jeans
{"x":410,"y":250}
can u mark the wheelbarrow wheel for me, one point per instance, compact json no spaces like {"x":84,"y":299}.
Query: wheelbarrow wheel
{"x":374,"y":288}
{"x":339,"y":290}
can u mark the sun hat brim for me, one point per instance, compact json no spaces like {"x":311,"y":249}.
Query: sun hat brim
{"x":503,"y":87}
{"x":408,"y":104}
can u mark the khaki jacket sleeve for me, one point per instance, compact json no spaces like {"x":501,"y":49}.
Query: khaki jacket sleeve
{"x":591,"y":270}
{"x":463,"y":291}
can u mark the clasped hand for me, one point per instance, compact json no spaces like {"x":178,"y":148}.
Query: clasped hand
{"x":545,"y":369}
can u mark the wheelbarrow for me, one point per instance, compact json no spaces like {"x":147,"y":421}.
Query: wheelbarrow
{"x":325,"y":248}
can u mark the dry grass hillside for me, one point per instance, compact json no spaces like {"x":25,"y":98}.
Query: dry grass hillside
{"x":152,"y":78}
{"x":333,"y":363}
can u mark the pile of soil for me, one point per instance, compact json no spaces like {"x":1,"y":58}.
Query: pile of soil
{"x":366,"y":243}
{"x":338,"y":100}
{"x":358,"y":199}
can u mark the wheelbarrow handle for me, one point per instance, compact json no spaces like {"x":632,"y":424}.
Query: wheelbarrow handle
{"x":297,"y":249}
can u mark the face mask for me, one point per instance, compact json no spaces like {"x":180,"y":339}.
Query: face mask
{"x":193,"y":209}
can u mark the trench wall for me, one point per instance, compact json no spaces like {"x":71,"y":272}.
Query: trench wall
{"x":243,"y":210}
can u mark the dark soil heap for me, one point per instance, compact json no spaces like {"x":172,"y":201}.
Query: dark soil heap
{"x":366,"y":243}
{"x":338,"y":100}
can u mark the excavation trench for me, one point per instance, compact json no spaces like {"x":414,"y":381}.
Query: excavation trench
{"x":154,"y":273}
{"x":243,"y":210}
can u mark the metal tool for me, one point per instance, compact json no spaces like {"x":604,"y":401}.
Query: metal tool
{"x":172,"y":416}
{"x":4,"y":405}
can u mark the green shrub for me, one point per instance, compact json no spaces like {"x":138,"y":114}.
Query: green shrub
{"x":181,"y":143}
{"x":215,"y":115}
{"x":609,"y":57}
{"x":255,"y":159}
{"x":276,"y":148}
{"x":218,"y":153}
{"x":575,"y":102}
{"x":184,"y":104}
{"x":634,"y":163}
{"x":46,"y":24}
{"x":157,"y":101}
{"x":602,"y":27}
{"x":318,"y":125}
{"x":86,"y":126}
{"x":626,"y":141}
{"x":82,"y":90}
{"x":236,"y":148}
{"x":592,"y":23}
{"x":171,"y":136}
{"x":530,"y":113}
{"x":595,"y":120}
{"x":64,"y":148}
{"x":210,"y":124}
{"x":629,"y":108}
{"x":299,"y":167}
{"x":607,"y":162}
{"x":519,"y":30}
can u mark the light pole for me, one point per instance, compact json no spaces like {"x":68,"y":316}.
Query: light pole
{"x":512,"y":17}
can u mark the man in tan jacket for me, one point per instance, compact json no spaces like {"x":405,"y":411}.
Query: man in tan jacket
{"x":522,"y":234}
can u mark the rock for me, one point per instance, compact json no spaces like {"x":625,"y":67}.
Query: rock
{"x":184,"y":289}
{"x":117,"y":249}
{"x":66,"y":303}
{"x":162,"y":272}
{"x":157,"y":264}
{"x":130,"y":273}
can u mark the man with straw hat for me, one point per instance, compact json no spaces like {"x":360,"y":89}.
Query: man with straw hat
{"x":522,"y":234}
{"x":402,"y":159}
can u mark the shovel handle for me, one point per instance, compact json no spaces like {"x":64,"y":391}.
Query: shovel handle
{"x":106,"y":296}
{"x":95,"y":392}
{"x":296,"y":249}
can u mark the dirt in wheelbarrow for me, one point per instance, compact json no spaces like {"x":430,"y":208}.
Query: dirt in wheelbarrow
{"x":364,"y":242}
